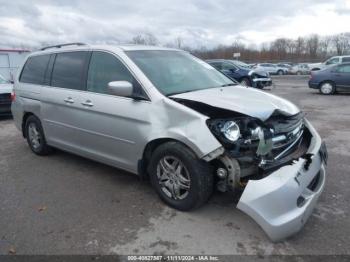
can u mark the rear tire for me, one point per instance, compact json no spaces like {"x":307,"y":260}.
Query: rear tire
{"x":183,"y":188}
{"x":327,"y":88}
{"x":280,"y":72}
{"x":35,"y":136}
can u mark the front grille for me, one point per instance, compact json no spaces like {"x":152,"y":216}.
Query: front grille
{"x":290,"y":153}
{"x":290,"y":140}
{"x":286,"y":130}
{"x":284,"y":124}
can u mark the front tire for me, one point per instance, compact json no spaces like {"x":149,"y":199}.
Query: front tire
{"x":181,"y":180}
{"x":327,"y":88}
{"x":245,"y":82}
{"x":35,"y":136}
{"x":280,"y":72}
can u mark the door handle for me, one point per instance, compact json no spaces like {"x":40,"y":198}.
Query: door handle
{"x":69,"y":100}
{"x":87,"y":103}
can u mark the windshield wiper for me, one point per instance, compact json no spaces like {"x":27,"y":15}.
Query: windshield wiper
{"x":232,"y":84}
{"x":176,"y":93}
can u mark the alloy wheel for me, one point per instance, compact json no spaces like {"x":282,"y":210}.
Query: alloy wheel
{"x":326,"y":88}
{"x":34,"y":135}
{"x":173,"y":177}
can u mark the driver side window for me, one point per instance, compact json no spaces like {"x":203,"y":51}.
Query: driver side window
{"x":105,"y":68}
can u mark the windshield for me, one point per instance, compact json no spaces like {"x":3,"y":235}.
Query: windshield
{"x":3,"y":80}
{"x":240,"y":64}
{"x":175,"y":72}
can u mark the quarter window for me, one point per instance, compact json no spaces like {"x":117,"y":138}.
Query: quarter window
{"x":68,"y":70}
{"x":34,"y":69}
{"x":346,"y":59}
{"x":105,"y":68}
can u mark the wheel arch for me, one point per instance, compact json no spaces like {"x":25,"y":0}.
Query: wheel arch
{"x":150,"y":148}
{"x":327,"y":81}
{"x":24,"y":120}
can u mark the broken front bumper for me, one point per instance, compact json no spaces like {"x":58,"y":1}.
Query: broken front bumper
{"x":262,"y":82}
{"x":282,"y":202}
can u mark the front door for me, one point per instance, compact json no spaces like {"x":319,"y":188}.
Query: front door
{"x":112,"y":127}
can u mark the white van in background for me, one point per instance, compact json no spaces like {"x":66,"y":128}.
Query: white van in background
{"x":331,"y":61}
{"x":10,"y":61}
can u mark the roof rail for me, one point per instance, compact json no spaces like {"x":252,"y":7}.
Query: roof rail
{"x":61,"y":45}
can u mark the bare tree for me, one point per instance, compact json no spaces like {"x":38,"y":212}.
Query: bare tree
{"x":341,"y":43}
{"x":178,"y":42}
{"x":312,"y":44}
{"x":299,"y":46}
{"x":145,"y":39}
{"x":138,"y":40}
{"x":325,"y":45}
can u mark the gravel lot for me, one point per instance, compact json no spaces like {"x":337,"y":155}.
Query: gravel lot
{"x":64,"y":204}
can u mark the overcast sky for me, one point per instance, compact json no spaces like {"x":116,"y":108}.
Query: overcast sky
{"x":197,"y":22}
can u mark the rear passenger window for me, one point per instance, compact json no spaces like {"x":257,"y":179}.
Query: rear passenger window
{"x":343,"y":69}
{"x":105,"y":68}
{"x":68,"y":70}
{"x":34,"y":70}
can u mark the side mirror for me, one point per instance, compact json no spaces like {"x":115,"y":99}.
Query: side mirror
{"x":12,"y":82}
{"x":120,"y":88}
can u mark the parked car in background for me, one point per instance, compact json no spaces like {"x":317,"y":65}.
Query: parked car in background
{"x":6,"y":88}
{"x":271,"y":69}
{"x":300,"y":69}
{"x":288,"y":67}
{"x":167,"y":115}
{"x":331,"y":61}
{"x":331,"y":79}
{"x":245,"y":76}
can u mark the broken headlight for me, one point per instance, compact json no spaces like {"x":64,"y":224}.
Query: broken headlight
{"x":231,"y":131}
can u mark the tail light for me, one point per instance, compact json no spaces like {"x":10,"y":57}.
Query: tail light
{"x":13,"y":96}
{"x":310,"y":77}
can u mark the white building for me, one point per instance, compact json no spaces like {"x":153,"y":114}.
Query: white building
{"x":10,"y":60}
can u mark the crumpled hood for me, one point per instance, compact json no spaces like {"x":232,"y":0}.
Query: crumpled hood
{"x":6,"y":88}
{"x":248,"y":101}
{"x":260,"y":72}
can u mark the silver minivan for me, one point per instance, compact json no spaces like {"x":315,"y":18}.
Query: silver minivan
{"x":167,"y":115}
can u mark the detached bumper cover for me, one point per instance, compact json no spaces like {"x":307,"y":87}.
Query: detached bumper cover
{"x":282,"y":202}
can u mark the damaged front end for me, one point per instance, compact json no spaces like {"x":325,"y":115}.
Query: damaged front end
{"x":280,"y":164}
{"x":269,"y":151}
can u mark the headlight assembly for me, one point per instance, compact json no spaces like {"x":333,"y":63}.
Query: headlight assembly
{"x":231,"y":131}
